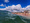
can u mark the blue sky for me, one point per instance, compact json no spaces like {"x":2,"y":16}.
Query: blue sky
{"x":23,"y":3}
{"x":15,"y":5}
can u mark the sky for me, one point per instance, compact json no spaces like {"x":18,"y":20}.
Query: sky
{"x":15,"y":5}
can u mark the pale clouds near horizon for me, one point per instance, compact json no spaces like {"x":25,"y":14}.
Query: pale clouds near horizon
{"x":16,"y":8}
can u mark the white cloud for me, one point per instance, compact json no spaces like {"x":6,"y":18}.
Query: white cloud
{"x":2,"y":8}
{"x":1,"y":5}
{"x":28,"y":7}
{"x":6,"y":1}
{"x":16,"y":8}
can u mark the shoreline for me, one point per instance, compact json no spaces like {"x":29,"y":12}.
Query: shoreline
{"x":27,"y":15}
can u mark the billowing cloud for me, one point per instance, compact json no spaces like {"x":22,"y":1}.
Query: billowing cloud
{"x":6,"y":1}
{"x":16,"y":8}
{"x":28,"y":7}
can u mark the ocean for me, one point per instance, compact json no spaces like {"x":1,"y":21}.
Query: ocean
{"x":8,"y":17}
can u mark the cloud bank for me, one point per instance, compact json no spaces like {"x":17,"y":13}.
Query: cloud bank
{"x":16,"y":8}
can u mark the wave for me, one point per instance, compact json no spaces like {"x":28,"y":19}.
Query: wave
{"x":8,"y":17}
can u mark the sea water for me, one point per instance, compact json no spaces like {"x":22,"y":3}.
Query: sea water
{"x":12,"y":18}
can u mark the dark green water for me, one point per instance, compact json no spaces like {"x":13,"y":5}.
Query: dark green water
{"x":8,"y":17}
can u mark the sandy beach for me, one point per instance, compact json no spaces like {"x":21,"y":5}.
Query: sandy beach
{"x":26,"y":15}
